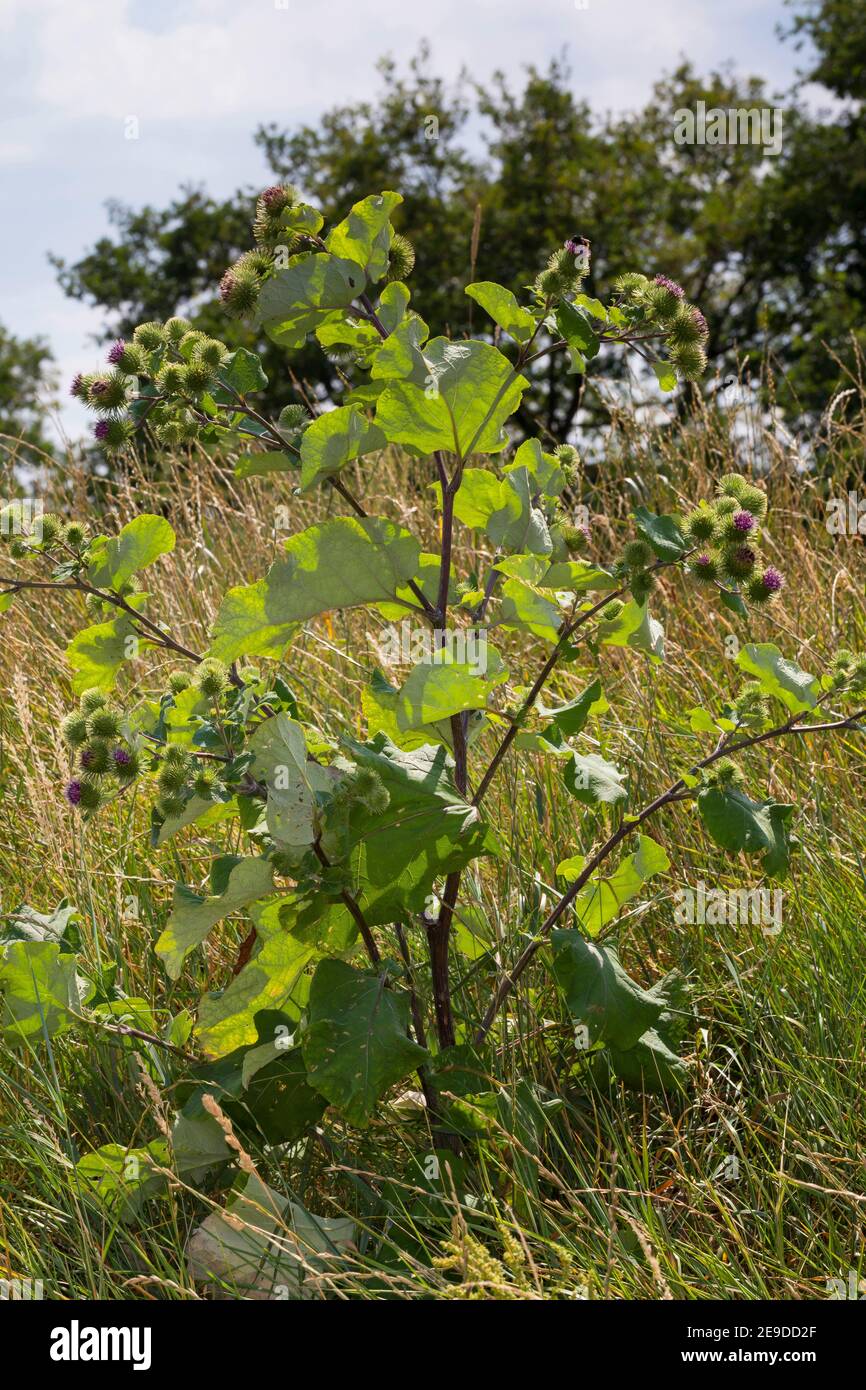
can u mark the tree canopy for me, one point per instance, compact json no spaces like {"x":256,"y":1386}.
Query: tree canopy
{"x":27,"y":380}
{"x":496,"y":176}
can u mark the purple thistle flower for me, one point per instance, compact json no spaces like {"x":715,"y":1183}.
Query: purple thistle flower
{"x":77,"y":387}
{"x":703,"y":560}
{"x":670,"y":285}
{"x":87,"y":757}
{"x":699,"y":321}
{"x":116,"y":351}
{"x":121,"y":757}
{"x":772,"y":580}
{"x":744,"y":521}
{"x":72,"y":792}
{"x":272,"y":197}
{"x":100,"y":429}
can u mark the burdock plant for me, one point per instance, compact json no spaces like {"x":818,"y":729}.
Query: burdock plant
{"x":353,"y":854}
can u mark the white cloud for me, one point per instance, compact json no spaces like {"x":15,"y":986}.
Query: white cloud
{"x":16,"y":152}
{"x":224,"y":58}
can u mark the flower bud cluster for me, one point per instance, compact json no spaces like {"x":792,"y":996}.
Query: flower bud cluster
{"x":847,"y":674}
{"x":725,"y":534}
{"x":661,"y":304}
{"x":105,"y":756}
{"x":174,"y":360}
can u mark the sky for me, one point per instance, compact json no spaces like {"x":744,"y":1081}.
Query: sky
{"x":130,"y":99}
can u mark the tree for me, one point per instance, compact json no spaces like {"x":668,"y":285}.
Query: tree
{"x":825,"y":193}
{"x":770,"y":244}
{"x":26,"y":379}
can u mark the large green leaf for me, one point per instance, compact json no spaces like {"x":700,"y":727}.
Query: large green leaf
{"x":193,"y":916}
{"x":140,"y":542}
{"x":592,"y":779}
{"x":437,"y":688}
{"x":273,"y":978}
{"x":280,"y":761}
{"x":379,"y":705}
{"x":400,"y":356}
{"x":529,"y":568}
{"x":736,"y":822}
{"x":336,"y":564}
{"x":503,"y":308}
{"x":524,"y":608}
{"x":40,"y":992}
{"x":427,"y":831}
{"x":120,"y":1180}
{"x":576,"y":576}
{"x":278,"y":1100}
{"x":583,"y":341}
{"x":651,"y":1065}
{"x":269,"y":980}
{"x":364,"y":337}
{"x":472,"y":390}
{"x":598,"y":992}
{"x":302,"y":217}
{"x":662,"y":533}
{"x":634,"y":628}
{"x":356,"y":1044}
{"x":666,"y":375}
{"x":392,"y":307}
{"x":797,"y":690}
{"x":544,"y":470}
{"x":427,"y":580}
{"x":503,"y":508}
{"x":242,"y":371}
{"x":97,"y":653}
{"x":602,"y":901}
{"x":365,"y":235}
{"x":379,"y":702}
{"x":571,"y":718}
{"x":335,"y":439}
{"x":199,"y":1145}
{"x":262,"y":1087}
{"x":61,"y":926}
{"x":294,"y":301}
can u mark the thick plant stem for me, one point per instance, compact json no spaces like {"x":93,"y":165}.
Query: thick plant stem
{"x":439,"y":932}
{"x":438,"y":938}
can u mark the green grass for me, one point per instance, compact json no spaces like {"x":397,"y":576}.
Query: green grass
{"x":611,"y":1192}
